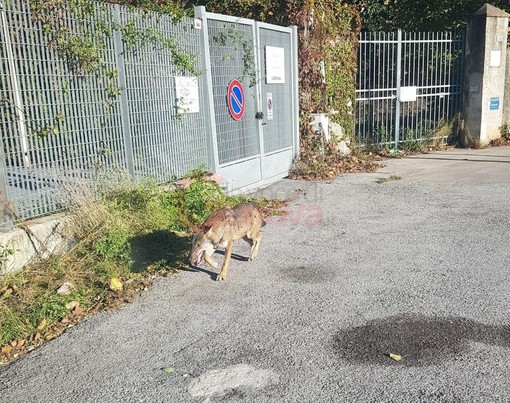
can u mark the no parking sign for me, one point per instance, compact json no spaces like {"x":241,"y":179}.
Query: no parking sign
{"x":236,"y":100}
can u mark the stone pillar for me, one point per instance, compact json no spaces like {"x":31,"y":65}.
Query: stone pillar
{"x":484,"y":73}
{"x":506,"y":102}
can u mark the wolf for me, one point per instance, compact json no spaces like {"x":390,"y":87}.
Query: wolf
{"x":221,"y":229}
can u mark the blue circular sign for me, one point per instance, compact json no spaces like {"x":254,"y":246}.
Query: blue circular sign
{"x":235,"y":99}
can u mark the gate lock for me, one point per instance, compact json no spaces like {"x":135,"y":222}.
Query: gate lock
{"x":259,"y":115}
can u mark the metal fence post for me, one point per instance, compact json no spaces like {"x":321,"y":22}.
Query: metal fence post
{"x":124,"y":107}
{"x":295,"y":89}
{"x":212,"y":139}
{"x":399,"y":76}
{"x":18,"y":103}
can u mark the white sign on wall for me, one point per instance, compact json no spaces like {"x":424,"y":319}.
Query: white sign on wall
{"x":495,"y":58}
{"x":186,"y":92}
{"x":408,"y":94}
{"x":275,"y":65}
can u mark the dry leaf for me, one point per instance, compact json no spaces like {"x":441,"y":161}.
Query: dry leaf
{"x":6,"y":349}
{"x":77,"y":311}
{"x":396,"y":357}
{"x":42,"y":325}
{"x":115,"y":284}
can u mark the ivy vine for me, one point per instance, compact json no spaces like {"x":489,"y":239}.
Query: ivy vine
{"x":231,"y":36}
{"x":84,"y":52}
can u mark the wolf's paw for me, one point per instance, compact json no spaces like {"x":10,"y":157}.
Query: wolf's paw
{"x":221,"y":277}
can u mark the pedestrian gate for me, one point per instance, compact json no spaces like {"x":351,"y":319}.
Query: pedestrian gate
{"x":408,"y":85}
{"x":255,"y":147}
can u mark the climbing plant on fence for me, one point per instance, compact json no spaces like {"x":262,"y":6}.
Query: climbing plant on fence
{"x":82,"y":46}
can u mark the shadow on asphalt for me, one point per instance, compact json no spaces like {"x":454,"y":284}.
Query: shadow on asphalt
{"x":196,"y":269}
{"x":421,"y":340}
{"x":219,"y":260}
{"x":461,"y":159}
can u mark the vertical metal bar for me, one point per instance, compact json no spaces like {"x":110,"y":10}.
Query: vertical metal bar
{"x":258,"y":92}
{"x":6,"y":220}
{"x":124,"y":107}
{"x":18,"y":104}
{"x":212,"y":139}
{"x":399,"y":75}
{"x":295,"y":89}
{"x":449,"y":82}
{"x":419,"y":75}
{"x":412,"y":81}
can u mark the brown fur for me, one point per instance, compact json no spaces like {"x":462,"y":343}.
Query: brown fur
{"x":221,"y":229}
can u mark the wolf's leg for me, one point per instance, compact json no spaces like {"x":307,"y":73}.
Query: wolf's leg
{"x":210,"y":261}
{"x":256,"y":238}
{"x":228,"y":253}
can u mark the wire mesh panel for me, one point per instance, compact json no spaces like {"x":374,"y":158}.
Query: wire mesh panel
{"x":64,"y":120}
{"x":278,"y":118}
{"x":392,"y":66}
{"x":58,"y":122}
{"x":232,"y":56}
{"x":167,"y":141}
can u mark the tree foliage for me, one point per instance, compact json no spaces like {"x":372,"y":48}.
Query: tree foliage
{"x":419,"y":15}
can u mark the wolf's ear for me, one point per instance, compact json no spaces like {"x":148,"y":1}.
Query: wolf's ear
{"x":205,"y":228}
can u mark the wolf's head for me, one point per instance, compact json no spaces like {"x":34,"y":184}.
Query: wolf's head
{"x":199,"y":245}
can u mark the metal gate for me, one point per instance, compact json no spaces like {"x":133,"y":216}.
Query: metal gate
{"x":408,"y":86}
{"x":258,"y":146}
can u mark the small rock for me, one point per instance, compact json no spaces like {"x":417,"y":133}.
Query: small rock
{"x":71,"y":305}
{"x":66,"y":288}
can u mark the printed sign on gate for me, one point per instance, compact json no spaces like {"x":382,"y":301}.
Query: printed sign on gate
{"x":236,"y":100}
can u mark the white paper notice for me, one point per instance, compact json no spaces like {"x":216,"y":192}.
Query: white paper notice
{"x":186,"y":91}
{"x":275,"y":65}
{"x":495,"y":58}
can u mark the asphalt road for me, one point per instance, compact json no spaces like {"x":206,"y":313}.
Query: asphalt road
{"x":417,"y":267}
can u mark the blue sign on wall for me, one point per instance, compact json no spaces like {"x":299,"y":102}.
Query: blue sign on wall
{"x":494,"y":104}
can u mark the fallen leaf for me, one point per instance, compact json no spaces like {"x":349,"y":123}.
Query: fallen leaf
{"x":42,"y":325}
{"x":77,"y":311}
{"x":115,"y":284}
{"x":396,"y":357}
{"x":168,"y":370}
{"x":6,"y":349}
